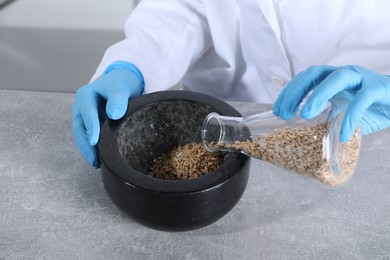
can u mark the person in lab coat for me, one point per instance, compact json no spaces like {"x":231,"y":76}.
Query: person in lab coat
{"x":249,"y":50}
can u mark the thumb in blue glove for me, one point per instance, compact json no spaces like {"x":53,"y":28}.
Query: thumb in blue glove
{"x":367,"y":91}
{"x":120,"y":82}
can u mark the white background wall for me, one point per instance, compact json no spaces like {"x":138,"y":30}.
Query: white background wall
{"x":67,"y":14}
{"x":55,"y":45}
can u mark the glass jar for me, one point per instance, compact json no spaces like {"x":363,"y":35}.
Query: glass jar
{"x":311,"y":148}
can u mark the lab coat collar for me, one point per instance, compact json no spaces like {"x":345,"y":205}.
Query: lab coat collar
{"x":268,"y":11}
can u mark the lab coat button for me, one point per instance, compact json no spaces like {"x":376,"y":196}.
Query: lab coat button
{"x":278,"y":81}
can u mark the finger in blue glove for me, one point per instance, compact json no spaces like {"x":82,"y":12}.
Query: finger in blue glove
{"x":368,"y":93}
{"x":120,"y":82}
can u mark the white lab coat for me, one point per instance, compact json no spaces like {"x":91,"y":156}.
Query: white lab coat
{"x":246,"y":50}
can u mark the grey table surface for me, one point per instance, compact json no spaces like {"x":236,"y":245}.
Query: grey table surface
{"x":54,"y":206}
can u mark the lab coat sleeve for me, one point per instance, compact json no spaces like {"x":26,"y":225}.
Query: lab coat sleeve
{"x":163,"y":39}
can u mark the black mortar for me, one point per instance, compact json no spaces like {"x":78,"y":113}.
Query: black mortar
{"x":155,"y":123}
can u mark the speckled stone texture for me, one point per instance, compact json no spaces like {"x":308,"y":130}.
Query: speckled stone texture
{"x":54,"y":206}
{"x":157,"y":128}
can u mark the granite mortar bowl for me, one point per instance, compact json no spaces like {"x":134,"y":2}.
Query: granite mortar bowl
{"x":155,"y":123}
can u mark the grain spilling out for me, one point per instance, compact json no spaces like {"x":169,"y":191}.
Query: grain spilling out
{"x":301,"y":150}
{"x":185,"y":162}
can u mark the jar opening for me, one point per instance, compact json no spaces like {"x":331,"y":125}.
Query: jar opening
{"x":212,"y":132}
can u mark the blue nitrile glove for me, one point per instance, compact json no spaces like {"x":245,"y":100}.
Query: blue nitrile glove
{"x":120,"y":81}
{"x":368,"y":92}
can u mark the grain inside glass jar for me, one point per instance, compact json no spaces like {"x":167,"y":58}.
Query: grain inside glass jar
{"x":301,"y":149}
